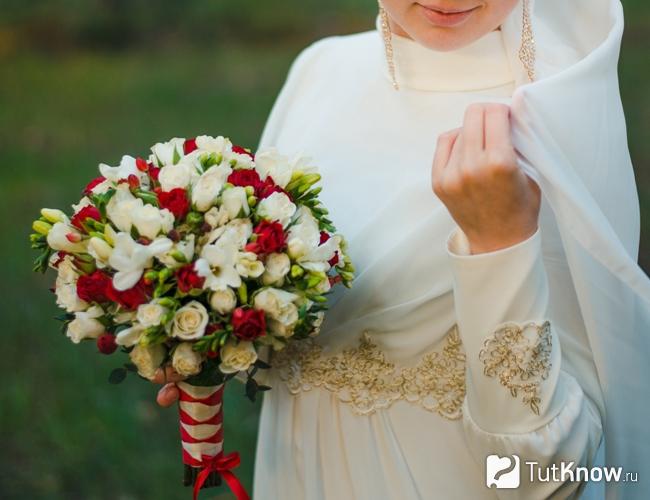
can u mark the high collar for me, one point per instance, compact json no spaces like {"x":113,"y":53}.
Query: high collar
{"x":484,"y":64}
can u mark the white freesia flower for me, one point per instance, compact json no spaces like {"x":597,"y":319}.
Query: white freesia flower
{"x":235,"y":201}
{"x":207,"y":188}
{"x":237,"y":356}
{"x":217,"y":265}
{"x":150,"y":221}
{"x":84,"y":202}
{"x":216,"y":216}
{"x":148,"y":359}
{"x":121,"y":207}
{"x":100,"y":251}
{"x":85,"y":325}
{"x":304,"y":246}
{"x":180,"y":175}
{"x":185,"y":360}
{"x":317,"y":324}
{"x":164,"y":152}
{"x":248,"y":266}
{"x":102,"y":187}
{"x":130,"y":259}
{"x":280,"y":309}
{"x":151,"y":314}
{"x":66,"y":238}
{"x":185,"y":247}
{"x":271,"y":162}
{"x":277,"y":207}
{"x":223,"y":301}
{"x":130,"y":336}
{"x":190,"y":321}
{"x":126,"y":168}
{"x":67,"y":298}
{"x":218,"y":145}
{"x":276,"y":267}
{"x":66,"y":272}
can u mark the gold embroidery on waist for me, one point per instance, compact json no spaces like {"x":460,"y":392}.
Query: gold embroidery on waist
{"x":363,"y":377}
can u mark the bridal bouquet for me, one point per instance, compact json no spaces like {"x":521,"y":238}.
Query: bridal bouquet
{"x":200,"y":257}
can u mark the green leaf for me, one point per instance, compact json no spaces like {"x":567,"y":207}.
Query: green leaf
{"x":177,"y":156}
{"x":117,"y":376}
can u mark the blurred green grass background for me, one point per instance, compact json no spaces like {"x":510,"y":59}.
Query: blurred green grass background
{"x":86,"y":81}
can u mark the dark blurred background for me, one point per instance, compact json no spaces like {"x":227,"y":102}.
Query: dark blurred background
{"x":84,"y":81}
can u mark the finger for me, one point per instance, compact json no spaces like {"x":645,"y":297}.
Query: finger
{"x":168,"y":375}
{"x":474,"y":129}
{"x":168,"y":395}
{"x":497,"y":127}
{"x":444,"y":148}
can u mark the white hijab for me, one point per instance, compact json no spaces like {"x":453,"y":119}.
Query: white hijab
{"x":569,"y":130}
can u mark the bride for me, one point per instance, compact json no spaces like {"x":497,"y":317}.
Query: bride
{"x":474,"y":155}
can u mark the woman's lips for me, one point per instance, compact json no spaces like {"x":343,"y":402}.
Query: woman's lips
{"x":445,"y":19}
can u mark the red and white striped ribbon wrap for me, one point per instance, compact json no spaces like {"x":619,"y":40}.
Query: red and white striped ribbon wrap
{"x":201,"y":422}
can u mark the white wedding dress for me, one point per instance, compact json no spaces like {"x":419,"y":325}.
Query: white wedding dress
{"x":435,"y":359}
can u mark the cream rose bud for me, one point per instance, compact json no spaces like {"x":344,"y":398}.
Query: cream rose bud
{"x":150,"y":221}
{"x":164,"y":152}
{"x":235,"y":200}
{"x":223,"y":301}
{"x":248,"y":266}
{"x":207,"y":188}
{"x":151,"y":314}
{"x":185,"y":360}
{"x":148,"y":359}
{"x":60,"y":235}
{"x":237,"y":356}
{"x":278,"y":305}
{"x":190,"y":321}
{"x":85,"y":325}
{"x":67,"y":298}
{"x":277,"y":207}
{"x":276,"y":267}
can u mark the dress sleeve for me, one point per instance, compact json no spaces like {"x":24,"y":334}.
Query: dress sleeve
{"x":519,"y":400}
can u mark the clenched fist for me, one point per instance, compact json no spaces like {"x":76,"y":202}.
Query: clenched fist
{"x":475,"y":174}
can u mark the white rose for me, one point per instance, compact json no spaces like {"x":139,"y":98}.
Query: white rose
{"x":67,"y":298}
{"x":164,"y":152}
{"x":276,"y":267}
{"x":237,"y":357}
{"x":190,"y":321}
{"x":223,"y":301}
{"x":185,"y":360}
{"x":85,"y":325}
{"x":207,"y":188}
{"x":150,"y":221}
{"x":277,"y":207}
{"x":58,"y":236}
{"x":238,"y":231}
{"x":234,"y":201}
{"x":100,"y":251}
{"x":217,"y":145}
{"x":130,"y":336}
{"x":121,"y":206}
{"x":151,"y":314}
{"x":148,"y":359}
{"x":248,"y":266}
{"x":278,"y":305}
{"x":270,"y":162}
{"x":176,"y":176}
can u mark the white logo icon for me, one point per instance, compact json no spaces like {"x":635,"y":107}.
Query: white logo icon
{"x":502,"y":472}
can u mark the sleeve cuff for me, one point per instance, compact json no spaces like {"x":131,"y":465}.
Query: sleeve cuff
{"x":458,"y":247}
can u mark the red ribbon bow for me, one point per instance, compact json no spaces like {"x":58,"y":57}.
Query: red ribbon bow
{"x":223,"y":465}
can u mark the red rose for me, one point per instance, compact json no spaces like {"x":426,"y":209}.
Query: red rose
{"x":245,"y":177}
{"x":188,"y":279}
{"x":248,"y":324}
{"x":268,"y":187}
{"x":133,"y":297}
{"x":175,"y":201}
{"x":323,"y":238}
{"x":94,"y":287}
{"x":106,"y":343}
{"x":242,"y":151}
{"x":189,"y":145}
{"x":270,"y":238}
{"x":87,"y":212}
{"x":92,"y":184}
{"x":153,"y":172}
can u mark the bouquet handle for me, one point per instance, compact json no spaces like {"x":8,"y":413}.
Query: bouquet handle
{"x":201,"y":426}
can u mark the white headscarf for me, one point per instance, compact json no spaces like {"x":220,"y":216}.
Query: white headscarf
{"x":569,"y":130}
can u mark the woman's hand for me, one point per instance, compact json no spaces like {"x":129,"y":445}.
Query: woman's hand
{"x":168,"y":395}
{"x":475,"y":174}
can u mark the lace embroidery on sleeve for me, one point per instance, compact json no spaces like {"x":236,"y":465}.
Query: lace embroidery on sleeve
{"x":363,"y":377}
{"x":520,"y":364}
